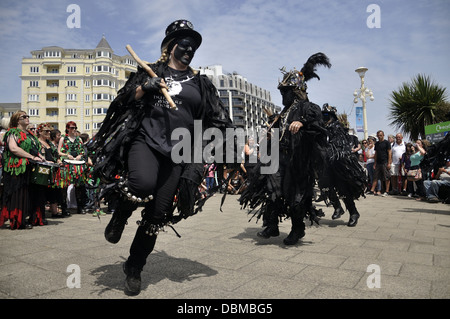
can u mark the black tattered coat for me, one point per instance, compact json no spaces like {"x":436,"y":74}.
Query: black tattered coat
{"x":110,"y":146}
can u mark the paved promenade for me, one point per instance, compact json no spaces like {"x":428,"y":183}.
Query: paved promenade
{"x":399,"y":249}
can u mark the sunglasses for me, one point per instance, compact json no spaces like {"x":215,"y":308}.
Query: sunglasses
{"x":73,"y":128}
{"x":23,"y":117}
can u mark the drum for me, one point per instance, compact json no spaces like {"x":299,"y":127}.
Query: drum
{"x":74,"y":171}
{"x":42,"y":173}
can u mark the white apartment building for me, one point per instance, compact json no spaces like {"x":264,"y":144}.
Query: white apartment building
{"x":61,"y":85}
{"x":245,"y":101}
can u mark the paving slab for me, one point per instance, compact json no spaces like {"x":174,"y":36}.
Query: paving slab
{"x":403,"y":242}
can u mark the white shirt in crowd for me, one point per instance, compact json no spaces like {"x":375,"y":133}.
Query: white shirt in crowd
{"x":397,"y":152}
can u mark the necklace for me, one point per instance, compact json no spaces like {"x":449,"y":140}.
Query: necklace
{"x":174,"y":86}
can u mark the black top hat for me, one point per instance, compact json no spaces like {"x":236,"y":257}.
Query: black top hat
{"x":181,"y":28}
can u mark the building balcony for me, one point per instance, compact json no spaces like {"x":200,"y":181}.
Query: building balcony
{"x":50,"y":63}
{"x":237,"y":94}
{"x":239,"y":104}
{"x":237,"y":121}
{"x":239,"y":113}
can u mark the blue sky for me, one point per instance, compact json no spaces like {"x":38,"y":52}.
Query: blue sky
{"x":254,"y":38}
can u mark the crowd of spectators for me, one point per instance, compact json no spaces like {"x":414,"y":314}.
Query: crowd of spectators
{"x":27,"y":196}
{"x":387,"y":163}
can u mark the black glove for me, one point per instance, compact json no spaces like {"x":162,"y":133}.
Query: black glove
{"x":152,"y":84}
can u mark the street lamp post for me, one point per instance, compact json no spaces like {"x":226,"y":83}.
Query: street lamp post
{"x":361,"y":94}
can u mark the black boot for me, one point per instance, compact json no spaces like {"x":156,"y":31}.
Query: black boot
{"x":65,"y":213}
{"x":294,"y":236}
{"x":116,"y":225}
{"x":297,"y":231}
{"x":354,"y":215}
{"x":133,"y":279}
{"x":338,"y":212}
{"x":269,"y":231}
{"x":270,"y":218}
{"x":353,"y":220}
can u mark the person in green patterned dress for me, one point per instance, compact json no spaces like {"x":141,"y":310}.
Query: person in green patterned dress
{"x":71,"y":147}
{"x":21,"y":146}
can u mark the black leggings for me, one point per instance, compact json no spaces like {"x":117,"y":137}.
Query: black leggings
{"x":150,"y":173}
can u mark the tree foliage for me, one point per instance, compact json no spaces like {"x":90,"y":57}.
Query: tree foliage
{"x":416,"y":104}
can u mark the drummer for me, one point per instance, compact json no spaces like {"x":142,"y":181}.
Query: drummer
{"x":71,"y":148}
{"x":50,"y":153}
{"x":21,"y":146}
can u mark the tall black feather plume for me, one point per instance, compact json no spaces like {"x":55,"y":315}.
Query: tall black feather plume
{"x":309,"y":68}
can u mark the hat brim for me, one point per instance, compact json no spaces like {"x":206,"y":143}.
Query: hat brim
{"x":182,"y":33}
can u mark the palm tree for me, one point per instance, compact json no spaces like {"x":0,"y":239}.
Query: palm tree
{"x":416,"y":105}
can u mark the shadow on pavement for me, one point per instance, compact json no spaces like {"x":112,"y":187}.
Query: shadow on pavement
{"x":159,"y":266}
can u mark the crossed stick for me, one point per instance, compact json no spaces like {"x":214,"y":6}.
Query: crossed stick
{"x":152,"y":74}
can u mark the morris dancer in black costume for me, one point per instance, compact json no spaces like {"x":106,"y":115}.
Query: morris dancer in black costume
{"x":141,"y":118}
{"x":343,"y":176}
{"x":289,"y":192}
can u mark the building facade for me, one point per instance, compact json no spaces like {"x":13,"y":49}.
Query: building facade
{"x":61,"y":85}
{"x":246,"y":102}
{"x":8,"y":109}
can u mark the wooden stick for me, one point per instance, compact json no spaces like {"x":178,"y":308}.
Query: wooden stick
{"x":152,"y":74}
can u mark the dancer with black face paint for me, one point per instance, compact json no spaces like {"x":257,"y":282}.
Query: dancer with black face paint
{"x":289,"y":192}
{"x":138,"y":128}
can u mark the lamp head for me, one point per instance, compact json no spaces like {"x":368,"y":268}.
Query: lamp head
{"x":361,"y":71}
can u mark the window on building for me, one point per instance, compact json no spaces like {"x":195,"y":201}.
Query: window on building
{"x":71,"y":97}
{"x":103,"y":97}
{"x":104,"y":54}
{"x":71,"y":69}
{"x":96,"y":126}
{"x":52,"y":54}
{"x":33,"y":112}
{"x":104,"y":68}
{"x":33,"y":97}
{"x":104,"y":82}
{"x":71,"y":83}
{"x":34,"y":69}
{"x":34,"y":84}
{"x":71,"y":111}
{"x":130,"y":62}
{"x":100,"y":111}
